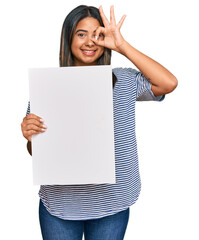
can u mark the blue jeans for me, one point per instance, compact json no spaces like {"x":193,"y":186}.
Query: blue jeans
{"x":107,"y":228}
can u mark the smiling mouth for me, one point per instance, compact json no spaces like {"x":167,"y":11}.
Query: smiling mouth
{"x":88,"y":52}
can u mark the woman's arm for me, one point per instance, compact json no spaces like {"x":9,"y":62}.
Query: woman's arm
{"x":162,"y":81}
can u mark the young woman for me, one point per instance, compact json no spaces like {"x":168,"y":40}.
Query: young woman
{"x":100,"y":211}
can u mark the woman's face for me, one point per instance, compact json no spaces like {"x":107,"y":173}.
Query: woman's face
{"x":84,"y":50}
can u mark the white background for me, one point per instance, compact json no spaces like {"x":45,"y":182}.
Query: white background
{"x":167,"y":132}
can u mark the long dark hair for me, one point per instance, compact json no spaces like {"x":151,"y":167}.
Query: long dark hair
{"x":68,"y":28}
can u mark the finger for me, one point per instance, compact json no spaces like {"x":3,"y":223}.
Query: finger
{"x":99,"y":33}
{"x":27,"y":133}
{"x":112,"y":15}
{"x":35,"y":128}
{"x":32,"y":124}
{"x":33,"y":116}
{"x":99,"y":36}
{"x":104,"y":18}
{"x":35,"y":122}
{"x":121,"y":21}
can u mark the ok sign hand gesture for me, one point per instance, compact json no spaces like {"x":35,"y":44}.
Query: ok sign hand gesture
{"x":112,"y":37}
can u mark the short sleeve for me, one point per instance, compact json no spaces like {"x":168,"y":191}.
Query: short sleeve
{"x":28,"y":109}
{"x":144,"y":92}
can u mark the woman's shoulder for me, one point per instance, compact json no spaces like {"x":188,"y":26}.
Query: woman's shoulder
{"x":124,"y":72}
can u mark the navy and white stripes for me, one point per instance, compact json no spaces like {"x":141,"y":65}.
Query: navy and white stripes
{"x":91,"y":201}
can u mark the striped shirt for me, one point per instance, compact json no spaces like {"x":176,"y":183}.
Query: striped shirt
{"x":92,"y":201}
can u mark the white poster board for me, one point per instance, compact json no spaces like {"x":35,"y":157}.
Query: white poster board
{"x":76,"y":104}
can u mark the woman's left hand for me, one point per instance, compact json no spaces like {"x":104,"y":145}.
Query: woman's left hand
{"x":109,"y":36}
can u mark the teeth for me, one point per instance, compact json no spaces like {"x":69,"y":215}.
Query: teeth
{"x":88,"y":51}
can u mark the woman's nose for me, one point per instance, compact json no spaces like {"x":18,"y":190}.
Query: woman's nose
{"x":90,"y":42}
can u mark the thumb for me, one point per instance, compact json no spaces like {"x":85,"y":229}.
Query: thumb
{"x":99,"y":36}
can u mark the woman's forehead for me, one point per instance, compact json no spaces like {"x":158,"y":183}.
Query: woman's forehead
{"x":88,"y":24}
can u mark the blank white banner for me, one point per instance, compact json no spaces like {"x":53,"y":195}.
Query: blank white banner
{"x":76,"y":104}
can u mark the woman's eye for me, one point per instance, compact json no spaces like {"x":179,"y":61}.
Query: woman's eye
{"x":81,"y":35}
{"x":101,"y":36}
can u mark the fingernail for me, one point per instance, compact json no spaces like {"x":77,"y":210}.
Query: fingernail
{"x":96,"y":38}
{"x":44,"y":126}
{"x":43,"y":130}
{"x":41,"y":120}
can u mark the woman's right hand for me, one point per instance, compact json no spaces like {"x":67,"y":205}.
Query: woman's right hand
{"x":31,"y":125}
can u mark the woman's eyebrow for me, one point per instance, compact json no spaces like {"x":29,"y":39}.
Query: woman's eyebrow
{"x":81,"y":30}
